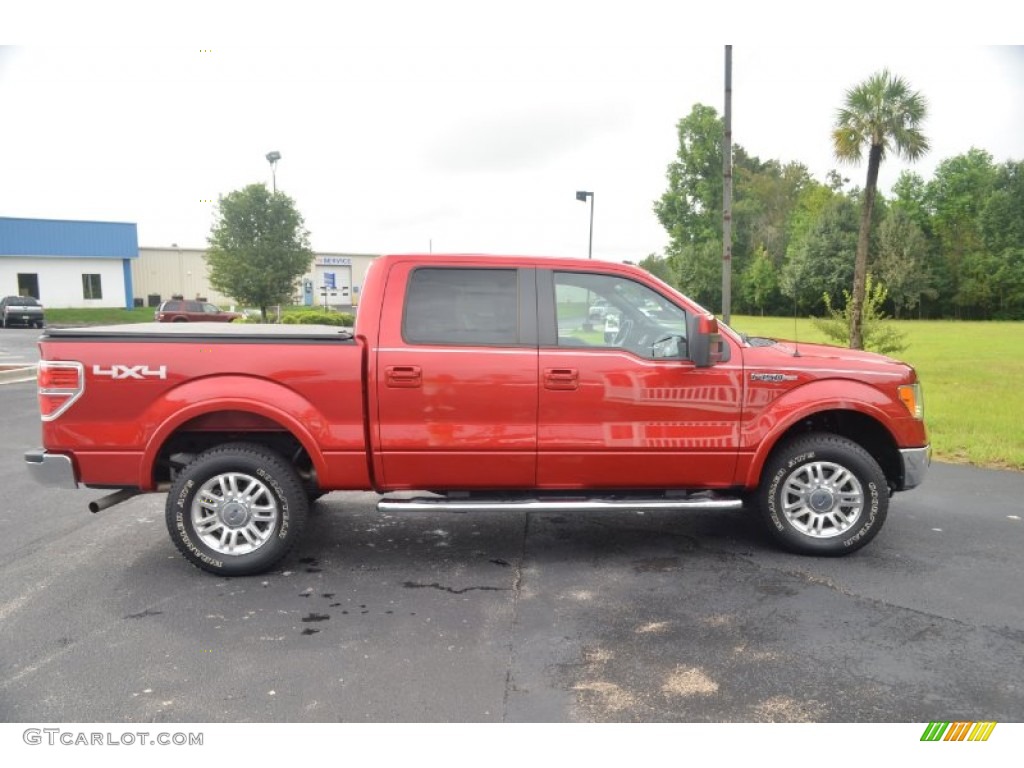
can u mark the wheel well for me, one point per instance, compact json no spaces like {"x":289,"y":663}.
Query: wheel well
{"x":205,"y":432}
{"x":861,"y":429}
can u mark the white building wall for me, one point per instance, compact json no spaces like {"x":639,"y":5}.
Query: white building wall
{"x":60,"y":280}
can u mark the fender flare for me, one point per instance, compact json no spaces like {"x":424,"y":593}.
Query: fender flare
{"x":255,"y":398}
{"x":808,"y":401}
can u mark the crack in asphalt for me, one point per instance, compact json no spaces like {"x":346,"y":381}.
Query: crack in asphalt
{"x":144,"y":614}
{"x":452,"y":590}
{"x":517,"y":584}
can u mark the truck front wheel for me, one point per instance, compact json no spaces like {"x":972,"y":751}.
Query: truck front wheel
{"x":236,"y":510}
{"x":823,"y":494}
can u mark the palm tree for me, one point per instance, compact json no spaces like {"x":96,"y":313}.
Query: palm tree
{"x":883,"y":114}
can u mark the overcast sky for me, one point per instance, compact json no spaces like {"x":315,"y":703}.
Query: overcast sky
{"x":461,"y":127}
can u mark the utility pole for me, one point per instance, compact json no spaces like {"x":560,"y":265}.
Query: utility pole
{"x":582,"y":197}
{"x":727,"y":193}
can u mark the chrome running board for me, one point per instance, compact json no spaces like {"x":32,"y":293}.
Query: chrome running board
{"x":432,"y":504}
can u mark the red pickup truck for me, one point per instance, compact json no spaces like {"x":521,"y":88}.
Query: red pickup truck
{"x":483,"y":382}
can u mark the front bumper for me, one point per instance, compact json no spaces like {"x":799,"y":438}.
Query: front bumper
{"x":915,"y":465}
{"x":51,"y":469}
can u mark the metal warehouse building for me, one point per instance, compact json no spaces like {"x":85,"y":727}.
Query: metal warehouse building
{"x":68,"y":263}
{"x":159,"y":273}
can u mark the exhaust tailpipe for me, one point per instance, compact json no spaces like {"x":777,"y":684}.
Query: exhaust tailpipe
{"x":106,"y":502}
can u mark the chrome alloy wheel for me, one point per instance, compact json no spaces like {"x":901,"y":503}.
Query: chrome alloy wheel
{"x":822,"y":499}
{"x":234,"y":513}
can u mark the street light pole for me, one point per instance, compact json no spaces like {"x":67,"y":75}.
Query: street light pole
{"x":582,"y":197}
{"x":272,"y":158}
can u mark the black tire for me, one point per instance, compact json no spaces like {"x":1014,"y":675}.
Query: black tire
{"x":822,"y":494}
{"x":236,"y":510}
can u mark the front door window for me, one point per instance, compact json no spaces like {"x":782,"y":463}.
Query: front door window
{"x":607,"y":311}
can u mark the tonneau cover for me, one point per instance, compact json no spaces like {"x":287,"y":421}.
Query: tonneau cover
{"x":203,"y":332}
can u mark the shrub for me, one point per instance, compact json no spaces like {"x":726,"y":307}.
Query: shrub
{"x":879,"y":334}
{"x":345,"y":319}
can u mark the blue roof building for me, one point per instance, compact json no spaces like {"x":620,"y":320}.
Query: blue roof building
{"x":68,"y":263}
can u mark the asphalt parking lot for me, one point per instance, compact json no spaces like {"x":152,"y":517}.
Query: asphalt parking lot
{"x":539,"y":617}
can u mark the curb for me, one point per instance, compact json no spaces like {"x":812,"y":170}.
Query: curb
{"x":19,"y":374}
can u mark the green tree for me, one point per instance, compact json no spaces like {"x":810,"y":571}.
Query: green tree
{"x":690,"y":210}
{"x":660,"y":268}
{"x":883,"y":114}
{"x":910,"y":193}
{"x":760,"y":281}
{"x":808,"y":208}
{"x":1002,"y":233}
{"x":691,"y":207}
{"x":957,"y":195}
{"x":911,"y":197}
{"x":820,"y":261}
{"x":258,"y":247}
{"x":699,"y":267}
{"x":765,"y":197}
{"x":902,"y":262}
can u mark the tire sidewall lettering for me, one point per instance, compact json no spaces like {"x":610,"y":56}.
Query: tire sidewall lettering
{"x":872,"y":516}
{"x":183,"y":496}
{"x":183,"y":532}
{"x":282,"y":500}
{"x":773,"y":498}
{"x":801,"y":459}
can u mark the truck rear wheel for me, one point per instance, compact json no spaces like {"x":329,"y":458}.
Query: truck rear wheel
{"x":236,"y":510}
{"x":823,"y":494}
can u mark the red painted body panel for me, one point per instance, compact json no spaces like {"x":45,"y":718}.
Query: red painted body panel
{"x":312,"y":391}
{"x":380,"y":413}
{"x":470,"y":421}
{"x":638,"y":423}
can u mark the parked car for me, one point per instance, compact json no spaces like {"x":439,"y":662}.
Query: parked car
{"x":182,"y":311}
{"x":21,"y":310}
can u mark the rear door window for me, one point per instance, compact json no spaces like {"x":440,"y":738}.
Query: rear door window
{"x":462,"y":306}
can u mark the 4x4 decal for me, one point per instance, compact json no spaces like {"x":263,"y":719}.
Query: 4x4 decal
{"x":130,"y":371}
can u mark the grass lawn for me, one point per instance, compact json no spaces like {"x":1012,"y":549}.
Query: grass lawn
{"x":98,"y":316}
{"x":973,"y":377}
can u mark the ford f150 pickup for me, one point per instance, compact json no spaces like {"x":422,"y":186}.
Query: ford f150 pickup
{"x":481,"y":382}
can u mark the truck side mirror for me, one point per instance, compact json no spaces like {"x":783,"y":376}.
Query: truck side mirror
{"x":706,"y":345}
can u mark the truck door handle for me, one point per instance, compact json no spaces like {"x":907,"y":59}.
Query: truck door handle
{"x":403,"y":376}
{"x":561,"y":378}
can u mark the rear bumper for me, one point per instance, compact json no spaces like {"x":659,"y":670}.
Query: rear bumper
{"x":23,"y":316}
{"x":915,"y":465}
{"x":51,"y":469}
